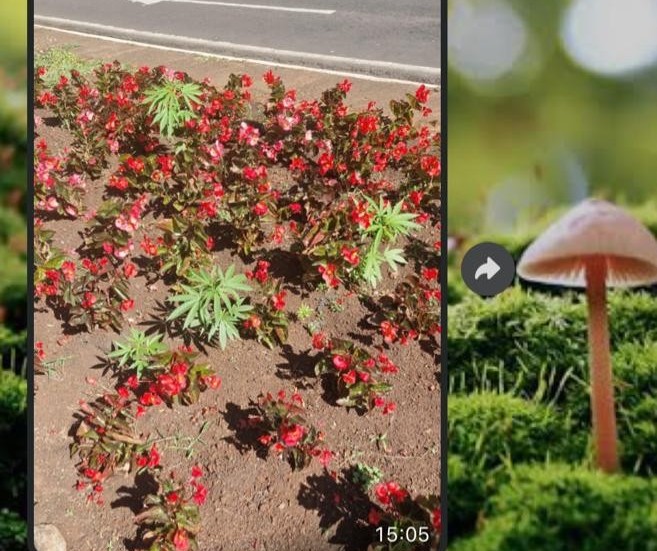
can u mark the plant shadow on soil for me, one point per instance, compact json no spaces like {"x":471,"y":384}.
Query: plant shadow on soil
{"x":159,"y":323}
{"x":298,"y":367}
{"x":244,"y":433}
{"x":132,"y":497}
{"x":342,"y":507}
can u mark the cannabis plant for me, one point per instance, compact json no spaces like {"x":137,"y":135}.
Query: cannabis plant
{"x":137,"y":351}
{"x":171,"y":104}
{"x":388,"y":223}
{"x":211,"y":304}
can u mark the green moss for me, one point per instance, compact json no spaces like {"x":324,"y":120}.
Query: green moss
{"x":13,"y":532}
{"x":468,"y":488}
{"x":487,"y":434}
{"x":494,"y":429}
{"x":536,"y":344}
{"x":563,"y":508}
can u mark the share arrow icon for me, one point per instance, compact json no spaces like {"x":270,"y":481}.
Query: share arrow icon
{"x":489,"y":269}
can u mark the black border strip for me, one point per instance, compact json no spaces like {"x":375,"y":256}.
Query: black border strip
{"x":444,"y":379}
{"x":29,"y":164}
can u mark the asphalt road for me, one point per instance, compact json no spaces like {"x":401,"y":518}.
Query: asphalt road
{"x":405,"y":32}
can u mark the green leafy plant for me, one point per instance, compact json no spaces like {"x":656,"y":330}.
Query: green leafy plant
{"x":565,"y":508}
{"x":13,"y":531}
{"x":136,"y":352}
{"x":304,"y":311}
{"x":388,"y":223}
{"x":366,"y":476}
{"x":494,"y":430}
{"x":171,"y":103}
{"x":211,"y":303}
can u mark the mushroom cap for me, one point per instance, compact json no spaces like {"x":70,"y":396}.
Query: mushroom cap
{"x":592,"y":230}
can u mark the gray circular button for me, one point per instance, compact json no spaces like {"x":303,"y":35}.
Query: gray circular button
{"x":488,"y":269}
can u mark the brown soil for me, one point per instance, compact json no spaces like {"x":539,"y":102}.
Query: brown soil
{"x":254,"y":502}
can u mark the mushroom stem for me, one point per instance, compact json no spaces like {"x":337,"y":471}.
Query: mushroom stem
{"x":602,"y":388}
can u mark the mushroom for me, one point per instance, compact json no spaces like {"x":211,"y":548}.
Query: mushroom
{"x":594,"y":246}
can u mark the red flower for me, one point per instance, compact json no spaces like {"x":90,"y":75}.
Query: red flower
{"x":345,"y":86}
{"x":39,"y":351}
{"x":390,"y":407}
{"x":270,"y":78}
{"x":430,"y":164}
{"x":265,"y":439}
{"x":416,"y":197}
{"x":422,"y":94}
{"x":297,"y":164}
{"x":127,"y":305}
{"x":212,"y":381}
{"x":278,"y":300}
{"x":129,"y":270}
{"x":328,"y":274}
{"x":341,"y":362}
{"x":436,"y":519}
{"x":153,"y":457}
{"x":93,"y":474}
{"x":260,"y":209}
{"x":349,"y":377}
{"x":197,"y":471}
{"x":150,"y":399}
{"x":254,"y":322}
{"x":68,"y":270}
{"x":364,"y":376}
{"x":180,"y":540}
{"x":200,"y":493}
{"x":350,"y":255}
{"x":374,"y":517}
{"x":389,"y":493}
{"x":291,"y":435}
{"x":430,"y":273}
{"x":295,"y":208}
{"x":325,"y":457}
{"x":168,"y":386}
{"x":389,"y":331}
{"x":319,"y":341}
{"x":149,"y":247}
{"x":89,"y":300}
{"x":173,"y":498}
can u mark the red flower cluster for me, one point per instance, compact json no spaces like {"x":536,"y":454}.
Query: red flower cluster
{"x":285,"y":431}
{"x":357,"y":374}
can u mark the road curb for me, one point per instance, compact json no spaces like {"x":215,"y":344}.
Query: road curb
{"x":379,"y":69}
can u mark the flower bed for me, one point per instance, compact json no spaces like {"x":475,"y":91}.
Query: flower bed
{"x":244,"y":272}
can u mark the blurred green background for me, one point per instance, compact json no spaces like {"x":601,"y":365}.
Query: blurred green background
{"x":549,"y":102}
{"x":13,"y":275}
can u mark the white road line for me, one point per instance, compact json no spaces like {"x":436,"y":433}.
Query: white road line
{"x":351,"y":67}
{"x":236,"y":5}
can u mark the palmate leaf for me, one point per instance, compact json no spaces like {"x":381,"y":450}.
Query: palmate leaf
{"x":394,"y":258}
{"x":137,"y":351}
{"x":170,"y":104}
{"x":390,"y":221}
{"x":211,"y":303}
